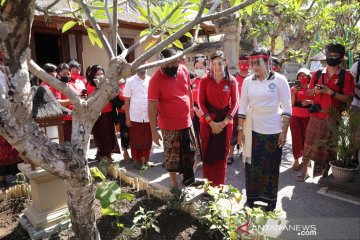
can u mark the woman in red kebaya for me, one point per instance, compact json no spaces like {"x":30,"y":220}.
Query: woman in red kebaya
{"x":300,"y":101}
{"x":103,"y":130}
{"x":218,"y":100}
{"x":200,"y":71}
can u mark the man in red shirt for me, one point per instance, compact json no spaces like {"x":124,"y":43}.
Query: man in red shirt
{"x":243,"y":72}
{"x":327,"y":93}
{"x":170,"y":98}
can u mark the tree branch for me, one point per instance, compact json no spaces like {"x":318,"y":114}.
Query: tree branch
{"x":146,"y":37}
{"x":97,"y":28}
{"x":54,"y":82}
{"x":114,"y":28}
{"x":170,"y":39}
{"x":45,"y":9}
{"x":118,"y":39}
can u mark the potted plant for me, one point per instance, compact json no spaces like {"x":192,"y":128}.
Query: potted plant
{"x":344,"y":142}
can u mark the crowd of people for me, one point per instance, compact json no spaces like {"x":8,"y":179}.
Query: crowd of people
{"x":206,"y":113}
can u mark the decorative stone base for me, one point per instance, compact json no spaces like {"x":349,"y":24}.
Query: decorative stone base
{"x":47,"y":232}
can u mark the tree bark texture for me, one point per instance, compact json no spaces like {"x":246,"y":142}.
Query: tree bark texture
{"x":67,"y":160}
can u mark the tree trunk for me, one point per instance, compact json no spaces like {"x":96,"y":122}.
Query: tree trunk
{"x":80,"y":203}
{"x":66,"y":161}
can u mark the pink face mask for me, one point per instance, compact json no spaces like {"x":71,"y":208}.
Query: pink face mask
{"x":304,"y":80}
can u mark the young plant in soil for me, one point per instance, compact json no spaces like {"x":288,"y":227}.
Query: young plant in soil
{"x":145,"y":221}
{"x":109,"y":194}
{"x":225,"y":217}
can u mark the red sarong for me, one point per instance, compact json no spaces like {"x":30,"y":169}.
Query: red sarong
{"x":140,"y":141}
{"x":298,"y":127}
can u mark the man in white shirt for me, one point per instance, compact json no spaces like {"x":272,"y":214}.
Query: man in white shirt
{"x":137,"y":119}
{"x":355,"y":104}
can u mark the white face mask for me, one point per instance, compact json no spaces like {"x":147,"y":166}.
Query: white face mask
{"x":199,"y":72}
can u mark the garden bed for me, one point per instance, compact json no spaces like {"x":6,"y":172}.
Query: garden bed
{"x":173,"y":223}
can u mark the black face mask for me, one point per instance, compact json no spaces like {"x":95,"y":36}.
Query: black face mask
{"x":171,"y":72}
{"x":65,"y":79}
{"x":333,"y":61}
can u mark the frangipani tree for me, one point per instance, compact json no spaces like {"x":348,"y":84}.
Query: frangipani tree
{"x":68,"y":160}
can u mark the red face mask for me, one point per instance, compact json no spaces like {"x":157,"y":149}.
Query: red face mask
{"x":276,"y":68}
{"x":244,"y":67}
{"x":304,"y":80}
{"x":74,"y":75}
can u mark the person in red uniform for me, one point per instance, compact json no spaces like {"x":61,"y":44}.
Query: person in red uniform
{"x":199,"y":70}
{"x":120,"y":121}
{"x":103,"y":129}
{"x":243,"y":72}
{"x":76,"y":78}
{"x":327,"y":94}
{"x":51,"y":69}
{"x":218,"y":100}
{"x":300,"y":101}
{"x":170,"y":97}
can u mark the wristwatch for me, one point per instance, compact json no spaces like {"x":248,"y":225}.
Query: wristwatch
{"x":333,"y":94}
{"x":239,"y":128}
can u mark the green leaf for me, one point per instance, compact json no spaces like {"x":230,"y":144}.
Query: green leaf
{"x":94,"y":38}
{"x":143,"y":11}
{"x":178,"y":44}
{"x":155,"y":227}
{"x":109,"y":212}
{"x":95,"y":172}
{"x":127,"y":196}
{"x":107,"y":194}
{"x":188,"y":34}
{"x":68,"y":26}
{"x":120,"y":225}
{"x":249,"y":9}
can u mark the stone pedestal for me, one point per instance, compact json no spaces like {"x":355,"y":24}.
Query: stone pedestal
{"x":230,"y":27}
{"x":49,"y":201}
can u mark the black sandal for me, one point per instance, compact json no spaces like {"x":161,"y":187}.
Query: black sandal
{"x":230,"y":160}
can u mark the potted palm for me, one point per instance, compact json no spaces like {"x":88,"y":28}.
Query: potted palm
{"x":343,"y":126}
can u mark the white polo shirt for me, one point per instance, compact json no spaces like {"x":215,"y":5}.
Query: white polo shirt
{"x":272,"y":93}
{"x":137,"y":90}
{"x":353,"y":71}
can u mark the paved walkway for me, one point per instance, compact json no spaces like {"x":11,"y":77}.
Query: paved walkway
{"x":300,"y":202}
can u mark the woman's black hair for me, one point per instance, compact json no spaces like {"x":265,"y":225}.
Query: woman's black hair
{"x":74,"y":64}
{"x":49,"y":67}
{"x":201,"y":59}
{"x":220,"y":54}
{"x":91,"y":71}
{"x":62,"y":66}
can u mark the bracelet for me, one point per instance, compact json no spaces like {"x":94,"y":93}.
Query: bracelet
{"x":285,"y":122}
{"x":208,"y":121}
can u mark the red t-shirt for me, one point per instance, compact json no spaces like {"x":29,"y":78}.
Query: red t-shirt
{"x":90,"y":89}
{"x":172,"y":94}
{"x":300,"y":96}
{"x":219,"y":95}
{"x":325,"y":100}
{"x":240,"y":81}
{"x":121,"y":96}
{"x":195,"y":89}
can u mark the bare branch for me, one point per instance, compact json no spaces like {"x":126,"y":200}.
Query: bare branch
{"x":146,"y":37}
{"x":214,"y":6}
{"x":44,"y":9}
{"x":97,"y":28}
{"x":148,"y":11}
{"x":102,"y":8}
{"x":118,"y":39}
{"x":114,"y":27}
{"x":187,"y":28}
{"x":170,"y":39}
{"x":54,"y":82}
{"x":167,"y":60}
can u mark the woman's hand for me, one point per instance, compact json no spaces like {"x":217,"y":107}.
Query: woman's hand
{"x":215,"y":127}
